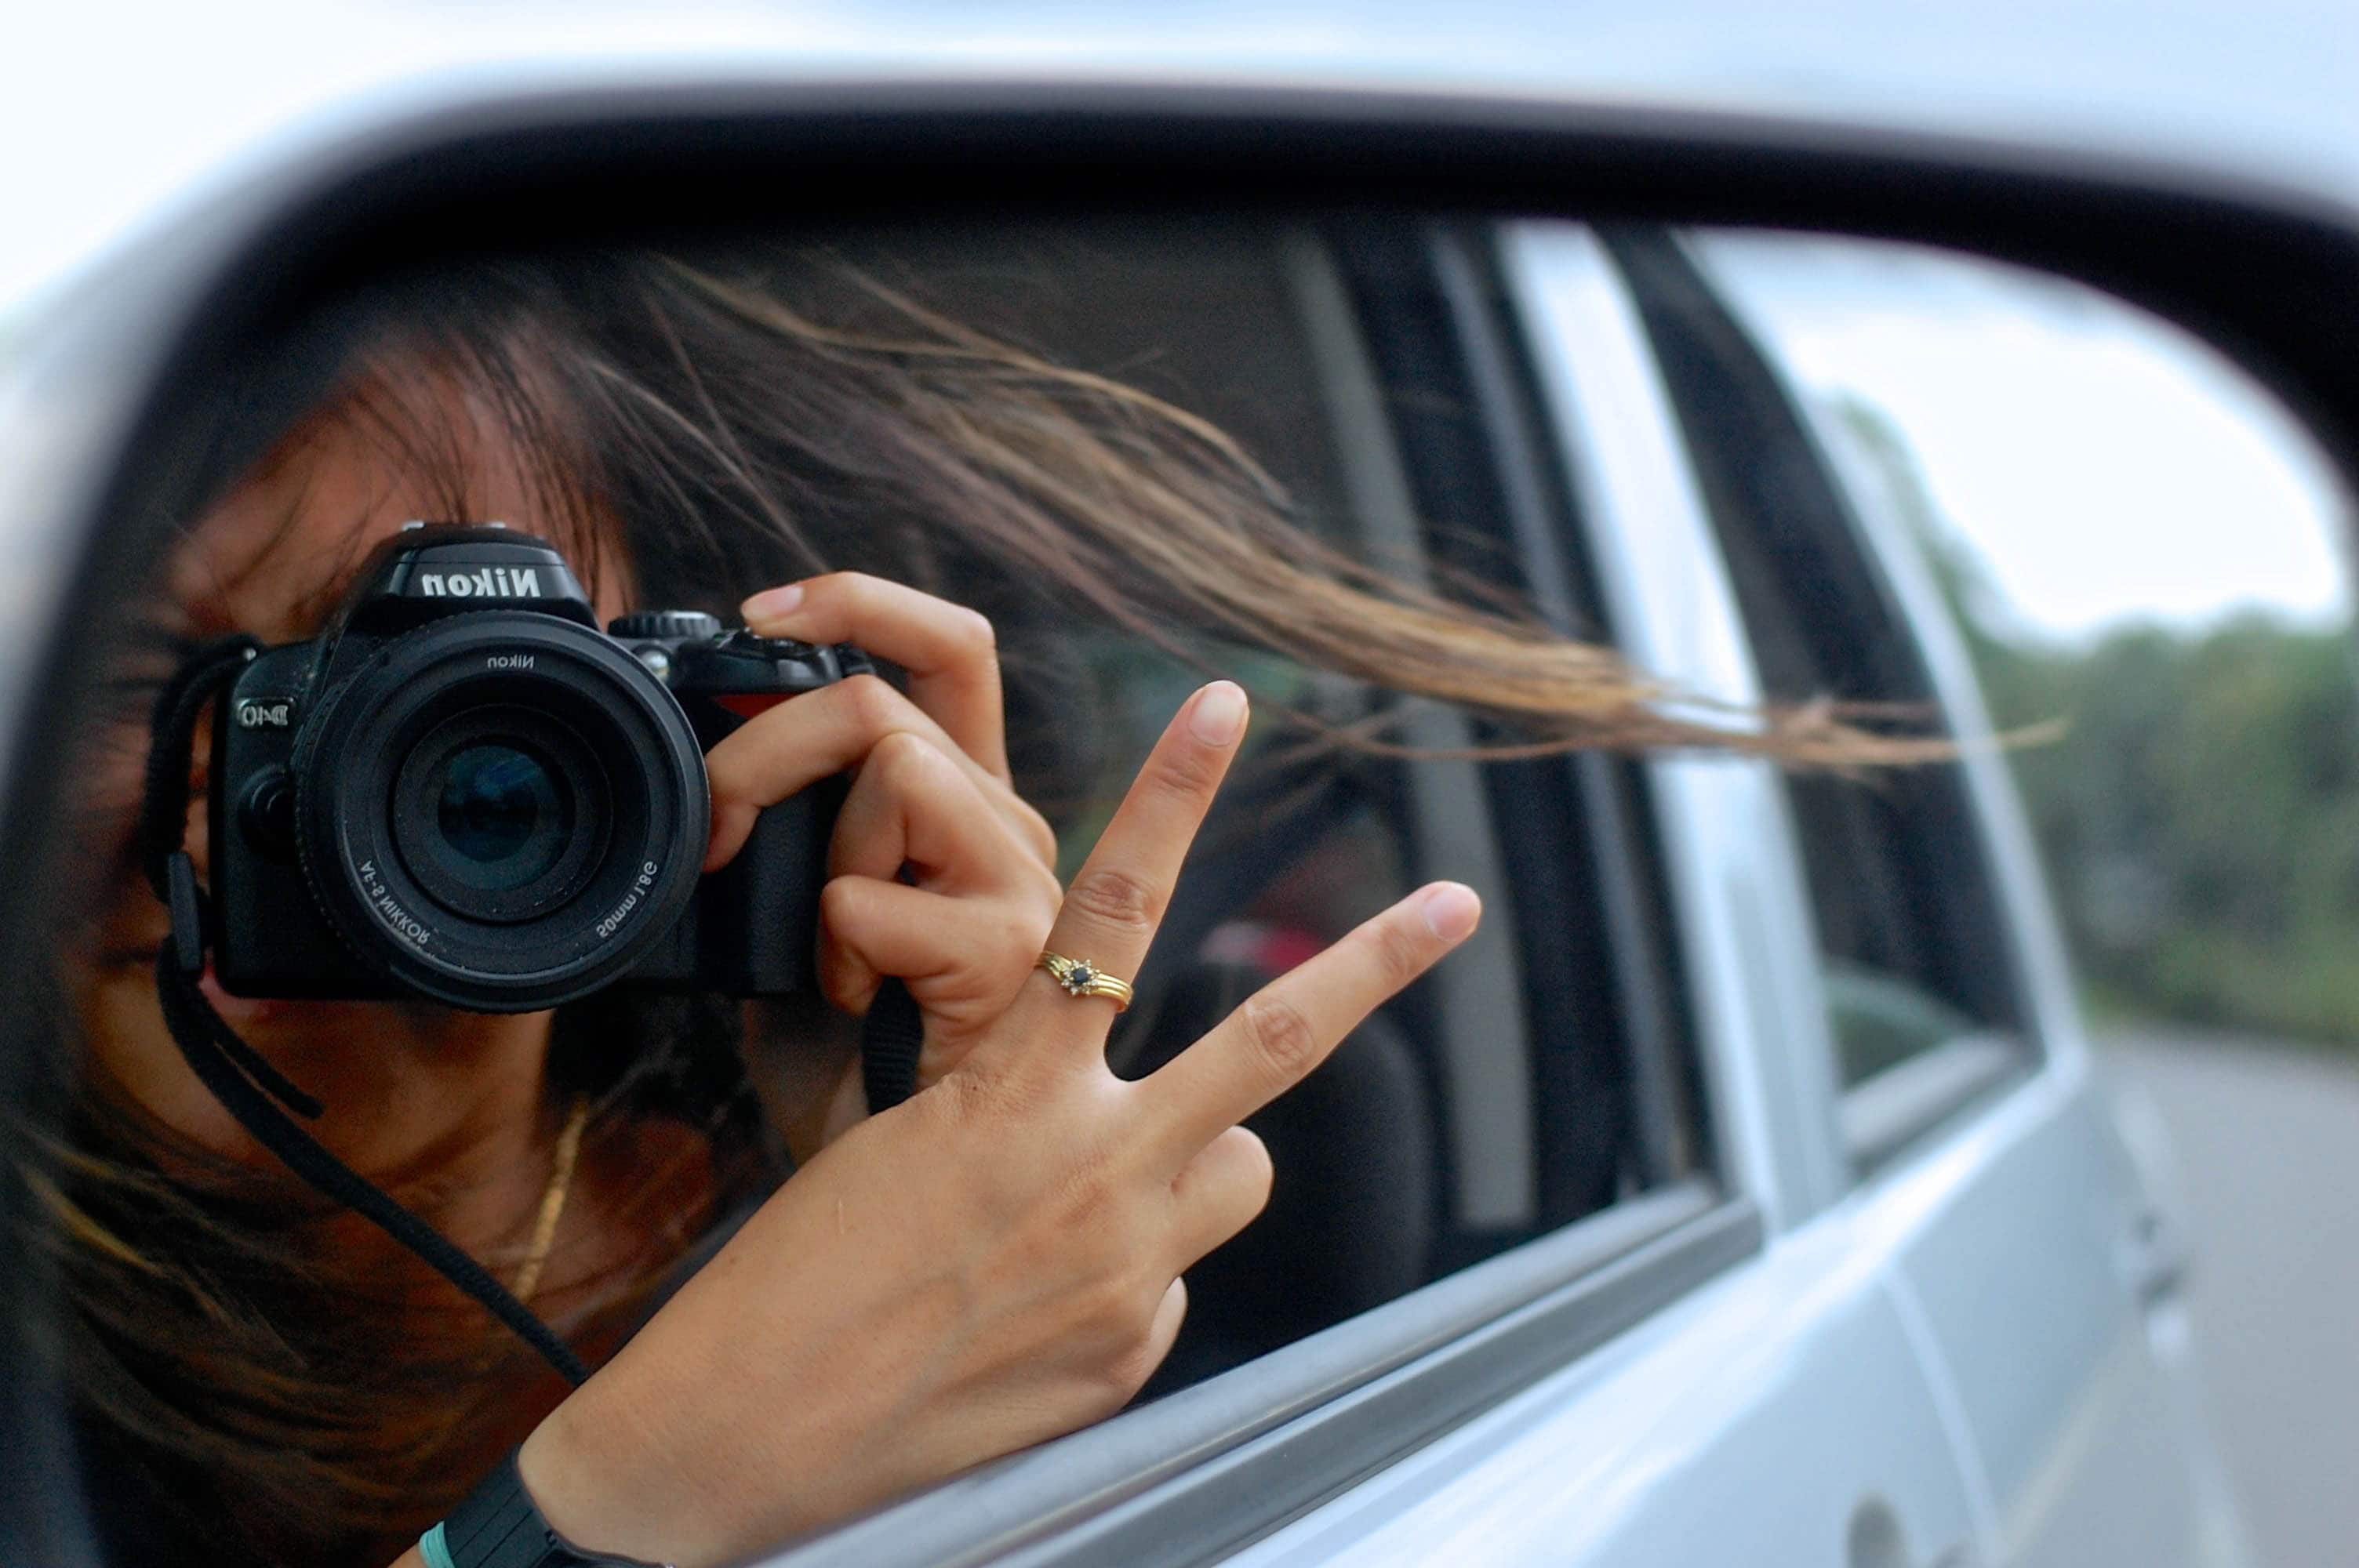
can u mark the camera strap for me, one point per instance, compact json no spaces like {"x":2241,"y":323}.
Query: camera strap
{"x":247,"y":1086}
{"x":891,"y":1036}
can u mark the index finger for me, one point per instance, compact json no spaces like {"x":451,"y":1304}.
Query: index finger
{"x":1118,"y":896}
{"x":951,"y":652}
{"x":1286,"y":1029}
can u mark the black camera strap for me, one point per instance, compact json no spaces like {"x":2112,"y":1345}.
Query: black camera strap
{"x":260,"y":1097}
{"x":248,"y":1088}
{"x":891,"y":1037}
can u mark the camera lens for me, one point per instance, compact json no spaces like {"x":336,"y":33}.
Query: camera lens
{"x":501,"y":810}
{"x":503,"y":819}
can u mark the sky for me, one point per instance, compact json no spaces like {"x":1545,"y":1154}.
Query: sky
{"x":2104,"y":466}
{"x":2104,"y":469}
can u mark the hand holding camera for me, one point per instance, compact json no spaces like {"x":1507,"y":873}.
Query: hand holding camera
{"x":464,"y":789}
{"x":476,"y":794}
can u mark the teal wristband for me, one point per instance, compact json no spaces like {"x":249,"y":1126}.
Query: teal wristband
{"x":431,"y":1546}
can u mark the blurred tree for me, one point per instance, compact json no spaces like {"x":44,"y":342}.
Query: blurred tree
{"x":2200,"y":818}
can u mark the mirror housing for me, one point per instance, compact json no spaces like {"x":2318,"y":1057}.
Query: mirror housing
{"x":99,"y":448}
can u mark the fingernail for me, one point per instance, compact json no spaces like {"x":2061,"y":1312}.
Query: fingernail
{"x":1450,"y":911}
{"x":772,"y":603}
{"x":1220,"y":713}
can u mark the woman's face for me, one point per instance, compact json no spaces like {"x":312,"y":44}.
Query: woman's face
{"x":271,"y":560}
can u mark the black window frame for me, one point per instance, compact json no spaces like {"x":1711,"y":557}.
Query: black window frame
{"x":1730,"y":397}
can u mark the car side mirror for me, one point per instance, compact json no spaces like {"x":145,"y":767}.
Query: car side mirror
{"x":117,"y":425}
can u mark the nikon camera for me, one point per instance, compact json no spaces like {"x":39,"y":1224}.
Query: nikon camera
{"x":463,"y":789}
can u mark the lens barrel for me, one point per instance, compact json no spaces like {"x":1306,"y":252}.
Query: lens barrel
{"x":500,"y":809}
{"x":499,"y":819}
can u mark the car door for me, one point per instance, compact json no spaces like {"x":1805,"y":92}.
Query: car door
{"x":2043,"y":1273}
{"x":1784,"y":1413}
{"x":1603,"y":1355}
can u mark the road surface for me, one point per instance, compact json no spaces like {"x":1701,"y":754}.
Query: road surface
{"x":2267,"y":1145}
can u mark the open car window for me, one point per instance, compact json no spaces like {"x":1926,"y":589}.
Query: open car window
{"x":1522,"y":1119}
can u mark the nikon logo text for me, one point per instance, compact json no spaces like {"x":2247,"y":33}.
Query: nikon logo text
{"x":483,"y":582}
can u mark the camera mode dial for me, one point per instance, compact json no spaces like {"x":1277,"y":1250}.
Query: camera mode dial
{"x":682,"y":624}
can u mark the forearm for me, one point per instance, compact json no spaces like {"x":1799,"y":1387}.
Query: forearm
{"x":410,"y":1559}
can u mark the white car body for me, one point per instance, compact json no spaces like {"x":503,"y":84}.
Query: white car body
{"x":1974,"y":1354}
{"x":1952,"y":1365}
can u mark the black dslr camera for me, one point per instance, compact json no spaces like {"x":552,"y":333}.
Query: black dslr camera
{"x":464,"y":789}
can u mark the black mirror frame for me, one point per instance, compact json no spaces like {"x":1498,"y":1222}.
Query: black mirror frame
{"x":99,"y":447}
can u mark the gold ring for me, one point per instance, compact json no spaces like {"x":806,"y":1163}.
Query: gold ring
{"x":1081,"y":978}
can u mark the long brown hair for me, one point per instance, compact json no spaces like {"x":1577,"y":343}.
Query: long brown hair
{"x":712,"y":427}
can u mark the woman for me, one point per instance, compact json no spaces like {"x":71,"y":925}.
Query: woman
{"x":994,"y":1262}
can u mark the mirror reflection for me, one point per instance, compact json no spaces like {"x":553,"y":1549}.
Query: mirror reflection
{"x":638,"y":841}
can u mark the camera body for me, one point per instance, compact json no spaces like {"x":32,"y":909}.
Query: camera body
{"x":466,"y":789}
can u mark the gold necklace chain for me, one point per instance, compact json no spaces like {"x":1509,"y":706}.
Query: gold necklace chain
{"x":552,"y":1201}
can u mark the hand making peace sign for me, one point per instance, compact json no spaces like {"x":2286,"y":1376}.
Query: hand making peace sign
{"x":995,"y":1262}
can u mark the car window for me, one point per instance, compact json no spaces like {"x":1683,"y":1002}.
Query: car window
{"x":1917,"y":973}
{"x":1523,"y":1116}
{"x":1493,"y":1103}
